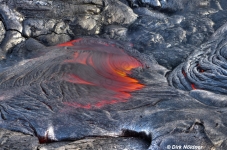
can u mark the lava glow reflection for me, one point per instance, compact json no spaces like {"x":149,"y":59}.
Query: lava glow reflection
{"x":103,"y":66}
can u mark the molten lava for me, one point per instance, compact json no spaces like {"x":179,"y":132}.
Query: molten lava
{"x":103,"y":66}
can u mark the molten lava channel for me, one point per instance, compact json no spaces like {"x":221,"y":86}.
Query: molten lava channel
{"x":104,"y":66}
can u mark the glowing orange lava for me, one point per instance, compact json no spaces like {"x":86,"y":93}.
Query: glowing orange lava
{"x":105,"y":66}
{"x":193,"y":86}
{"x":70,"y":43}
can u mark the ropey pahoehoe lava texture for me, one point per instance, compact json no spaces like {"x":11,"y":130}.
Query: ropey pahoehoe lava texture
{"x":83,"y":88}
{"x":105,"y":69}
{"x":83,"y":74}
{"x":205,"y":69}
{"x":102,"y":74}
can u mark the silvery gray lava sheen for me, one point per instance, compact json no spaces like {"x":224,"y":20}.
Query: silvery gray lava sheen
{"x":58,"y":96}
{"x":113,"y":74}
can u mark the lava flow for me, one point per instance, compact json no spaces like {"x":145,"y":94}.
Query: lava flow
{"x":103,"y":66}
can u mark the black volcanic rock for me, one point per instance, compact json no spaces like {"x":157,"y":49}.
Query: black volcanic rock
{"x":169,"y":39}
{"x":172,"y":6}
{"x":2,"y":33}
{"x":54,"y":22}
{"x":16,"y":140}
{"x":12,"y":24}
{"x":44,"y":101}
{"x":205,"y":68}
{"x":118,"y":143}
{"x":85,"y":94}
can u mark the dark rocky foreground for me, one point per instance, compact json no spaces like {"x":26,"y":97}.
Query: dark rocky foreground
{"x":141,"y":74}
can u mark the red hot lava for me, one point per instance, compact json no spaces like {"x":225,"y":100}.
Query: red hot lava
{"x":101,"y":66}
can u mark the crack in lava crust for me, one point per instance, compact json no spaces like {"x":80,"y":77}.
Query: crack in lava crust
{"x":104,"y":68}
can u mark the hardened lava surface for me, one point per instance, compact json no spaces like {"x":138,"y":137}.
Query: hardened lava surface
{"x":205,"y":69}
{"x":91,"y":74}
{"x":83,"y":88}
